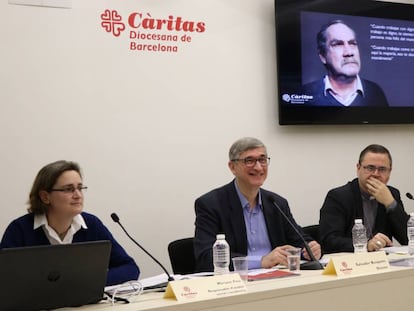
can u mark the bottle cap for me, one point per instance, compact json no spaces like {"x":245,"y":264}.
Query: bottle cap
{"x":358,"y":221}
{"x":221,"y":236}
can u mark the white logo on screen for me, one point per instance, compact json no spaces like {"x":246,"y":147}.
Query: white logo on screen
{"x":297,"y":99}
{"x":286,"y":97}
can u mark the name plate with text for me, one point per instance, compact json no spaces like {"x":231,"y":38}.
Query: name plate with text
{"x":206,"y":287}
{"x":357,"y":264}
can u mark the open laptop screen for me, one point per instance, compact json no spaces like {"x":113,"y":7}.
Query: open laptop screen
{"x":53,"y":276}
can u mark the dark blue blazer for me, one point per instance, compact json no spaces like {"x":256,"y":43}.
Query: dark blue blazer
{"x":220,"y":211}
{"x":373,"y":95}
{"x":122,"y":267}
{"x":343,"y":205}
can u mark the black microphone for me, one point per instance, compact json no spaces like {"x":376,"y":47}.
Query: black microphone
{"x":115,"y":218}
{"x":409,"y":195}
{"x":314,"y":264}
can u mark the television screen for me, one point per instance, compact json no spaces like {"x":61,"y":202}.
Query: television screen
{"x":345,"y":62}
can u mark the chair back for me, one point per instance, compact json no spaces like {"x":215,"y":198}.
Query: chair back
{"x":313,"y":231}
{"x":181,"y":254}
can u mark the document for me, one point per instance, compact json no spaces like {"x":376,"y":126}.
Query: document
{"x":161,"y":281}
{"x":401,"y":250}
{"x":264,"y":274}
{"x":399,"y":256}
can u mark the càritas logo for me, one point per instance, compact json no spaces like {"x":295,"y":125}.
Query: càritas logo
{"x":152,"y":34}
{"x":188,"y":293}
{"x":139,"y":20}
{"x":112,"y":22}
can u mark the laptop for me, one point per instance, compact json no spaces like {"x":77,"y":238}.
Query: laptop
{"x":53,"y":276}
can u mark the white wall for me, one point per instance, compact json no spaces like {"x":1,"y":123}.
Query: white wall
{"x":152,"y":130}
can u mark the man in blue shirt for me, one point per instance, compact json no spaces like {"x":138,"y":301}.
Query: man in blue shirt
{"x":247,"y":214}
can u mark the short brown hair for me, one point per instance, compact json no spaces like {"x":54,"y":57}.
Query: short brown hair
{"x":45,"y":180}
{"x":374,"y":148}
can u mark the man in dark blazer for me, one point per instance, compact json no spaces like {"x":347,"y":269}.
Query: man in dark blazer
{"x":368,"y":198}
{"x":342,"y":86}
{"x":247,"y":214}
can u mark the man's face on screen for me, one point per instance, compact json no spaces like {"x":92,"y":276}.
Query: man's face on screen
{"x":342,"y":58}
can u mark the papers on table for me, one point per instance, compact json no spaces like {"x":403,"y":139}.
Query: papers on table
{"x":161,"y":281}
{"x":399,"y":256}
{"x":400,"y":250}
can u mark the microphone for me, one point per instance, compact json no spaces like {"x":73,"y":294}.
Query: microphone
{"x":115,"y":218}
{"x":409,"y":195}
{"x":314,"y":264}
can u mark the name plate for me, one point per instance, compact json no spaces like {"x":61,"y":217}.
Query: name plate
{"x":206,"y":287}
{"x":357,"y":264}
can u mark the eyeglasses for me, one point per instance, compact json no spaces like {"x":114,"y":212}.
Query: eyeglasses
{"x":373,"y":168}
{"x":125,"y":292}
{"x":70,"y":189}
{"x":251,"y":162}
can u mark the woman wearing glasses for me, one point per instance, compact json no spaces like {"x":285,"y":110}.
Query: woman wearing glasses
{"x":55,"y":216}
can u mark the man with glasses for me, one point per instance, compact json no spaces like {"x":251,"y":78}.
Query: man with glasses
{"x":369,"y":198}
{"x":248,"y":215}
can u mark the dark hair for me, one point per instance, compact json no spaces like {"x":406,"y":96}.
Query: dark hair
{"x":321,"y":36}
{"x":374,"y":148}
{"x":45,"y":180}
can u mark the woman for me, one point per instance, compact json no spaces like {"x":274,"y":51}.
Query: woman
{"x":56,"y":217}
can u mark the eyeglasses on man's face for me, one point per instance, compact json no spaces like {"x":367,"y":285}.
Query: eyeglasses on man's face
{"x":251,"y":162}
{"x":372,"y":169}
{"x":70,"y":189}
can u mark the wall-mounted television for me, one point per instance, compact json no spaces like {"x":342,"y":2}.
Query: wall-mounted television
{"x":345,"y":62}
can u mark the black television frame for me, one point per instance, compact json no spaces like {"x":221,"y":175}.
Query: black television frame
{"x":289,"y":61}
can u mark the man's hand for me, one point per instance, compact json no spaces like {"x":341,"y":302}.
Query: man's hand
{"x":315,"y":248}
{"x":278,"y":256}
{"x":379,"y":191}
{"x":378,"y":241}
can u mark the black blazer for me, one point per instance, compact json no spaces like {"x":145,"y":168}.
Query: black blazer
{"x":373,"y":95}
{"x":343,"y":205}
{"x":220,"y":211}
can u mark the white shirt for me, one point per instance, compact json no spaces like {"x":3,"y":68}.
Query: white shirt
{"x":77,"y":223}
{"x":349,"y":99}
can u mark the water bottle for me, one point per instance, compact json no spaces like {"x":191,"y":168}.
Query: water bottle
{"x":221,"y":255}
{"x":410,"y":234}
{"x":359,"y":237}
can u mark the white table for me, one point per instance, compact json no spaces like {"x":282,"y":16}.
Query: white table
{"x":391,"y":291}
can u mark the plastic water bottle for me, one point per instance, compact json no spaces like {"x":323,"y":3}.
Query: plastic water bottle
{"x":359,"y":237}
{"x":410,"y":234}
{"x":221,"y":255}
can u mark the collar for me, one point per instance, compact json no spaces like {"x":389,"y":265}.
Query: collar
{"x":41,"y":220}
{"x":328,"y":86}
{"x":366,"y":196}
{"x":244,"y":202}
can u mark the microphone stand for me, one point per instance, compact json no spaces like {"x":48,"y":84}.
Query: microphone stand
{"x":314,"y":264}
{"x":115,"y":218}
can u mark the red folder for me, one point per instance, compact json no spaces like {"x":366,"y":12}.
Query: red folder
{"x":271,"y":275}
